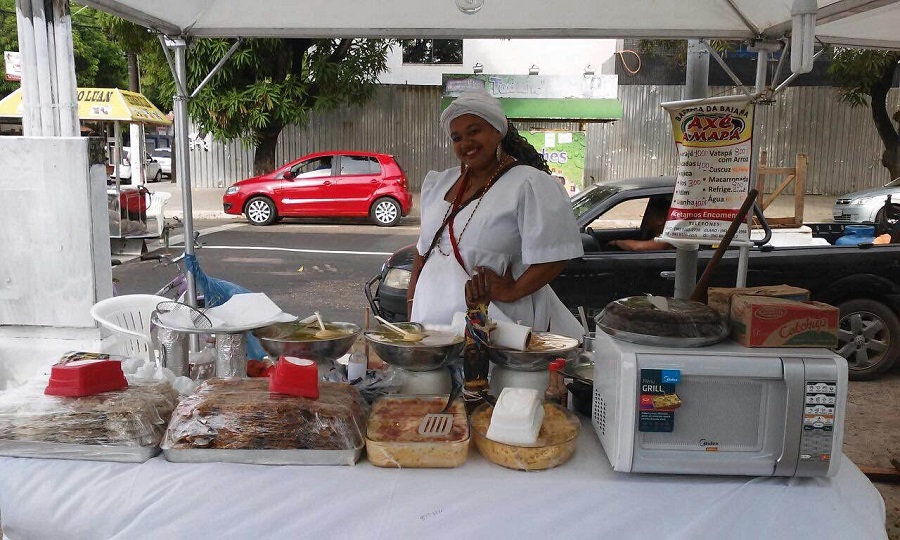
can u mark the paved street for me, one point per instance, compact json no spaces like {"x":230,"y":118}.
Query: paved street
{"x":301,"y":267}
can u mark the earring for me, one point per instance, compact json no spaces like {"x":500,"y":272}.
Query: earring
{"x":500,"y":153}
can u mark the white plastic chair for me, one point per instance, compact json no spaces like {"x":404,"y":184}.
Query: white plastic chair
{"x":129,"y":317}
{"x":158,"y":200}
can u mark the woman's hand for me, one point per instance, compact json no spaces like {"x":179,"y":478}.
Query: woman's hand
{"x":478,"y":288}
{"x":489,"y":286}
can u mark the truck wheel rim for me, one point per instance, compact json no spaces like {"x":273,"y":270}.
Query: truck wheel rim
{"x":385,"y":212}
{"x":863,"y":339}
{"x":258,"y":211}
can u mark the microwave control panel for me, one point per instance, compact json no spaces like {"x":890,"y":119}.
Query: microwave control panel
{"x":816,"y":441}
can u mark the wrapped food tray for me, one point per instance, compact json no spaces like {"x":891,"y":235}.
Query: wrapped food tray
{"x":84,"y":452}
{"x":265,"y":457}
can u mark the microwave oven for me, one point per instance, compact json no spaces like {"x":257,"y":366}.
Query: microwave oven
{"x":722,"y":409}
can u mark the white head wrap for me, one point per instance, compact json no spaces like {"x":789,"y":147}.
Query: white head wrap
{"x":479,"y":103}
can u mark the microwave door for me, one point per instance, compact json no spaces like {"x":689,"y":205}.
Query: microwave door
{"x":730,"y":419}
{"x":795,"y":384}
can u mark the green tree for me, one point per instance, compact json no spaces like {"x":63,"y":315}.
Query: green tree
{"x":865,"y":77}
{"x":99,"y":60}
{"x":271,"y":83}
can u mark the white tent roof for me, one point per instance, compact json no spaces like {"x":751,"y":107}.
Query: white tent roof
{"x":871,"y":23}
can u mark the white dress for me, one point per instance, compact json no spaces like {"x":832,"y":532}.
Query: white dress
{"x":525,"y":218}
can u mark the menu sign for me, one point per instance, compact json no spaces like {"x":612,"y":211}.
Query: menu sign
{"x":713,"y":138}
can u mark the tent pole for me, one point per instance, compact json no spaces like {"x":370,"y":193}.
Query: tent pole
{"x":696,"y":86}
{"x":762,"y":49}
{"x":181,"y":156}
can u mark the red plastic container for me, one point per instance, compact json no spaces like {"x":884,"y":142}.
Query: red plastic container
{"x":86,"y":378}
{"x":296,"y":377}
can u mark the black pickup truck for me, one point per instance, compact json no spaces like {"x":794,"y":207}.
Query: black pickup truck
{"x":862,"y":281}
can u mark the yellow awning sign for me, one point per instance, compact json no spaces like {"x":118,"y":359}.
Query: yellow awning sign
{"x":109,"y":104}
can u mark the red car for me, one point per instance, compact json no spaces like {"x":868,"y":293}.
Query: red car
{"x":332,"y":184}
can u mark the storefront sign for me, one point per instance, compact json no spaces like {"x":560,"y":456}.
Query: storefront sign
{"x":713,"y":138}
{"x":564,"y":152}
{"x":533,"y":86}
{"x":13,"y":65}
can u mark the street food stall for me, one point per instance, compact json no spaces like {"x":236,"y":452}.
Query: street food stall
{"x":127,"y":205}
{"x":215,"y":475}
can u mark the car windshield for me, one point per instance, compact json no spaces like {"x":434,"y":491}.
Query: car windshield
{"x":589,"y":198}
{"x":163,"y":153}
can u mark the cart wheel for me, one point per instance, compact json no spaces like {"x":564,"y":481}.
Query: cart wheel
{"x":868,"y":337}
{"x":260,"y":211}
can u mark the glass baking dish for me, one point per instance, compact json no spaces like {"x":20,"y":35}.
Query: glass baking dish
{"x":403,"y":432}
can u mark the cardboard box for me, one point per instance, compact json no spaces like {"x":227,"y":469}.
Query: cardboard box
{"x":719,"y":298}
{"x":761,"y":321}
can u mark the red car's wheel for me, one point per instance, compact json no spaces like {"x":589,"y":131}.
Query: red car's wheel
{"x":260,"y":211}
{"x":385,"y":212}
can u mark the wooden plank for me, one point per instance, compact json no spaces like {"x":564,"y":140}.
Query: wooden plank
{"x":800,"y":187}
{"x":878,"y":474}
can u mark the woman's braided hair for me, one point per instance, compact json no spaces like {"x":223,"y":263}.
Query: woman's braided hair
{"x":515,"y":145}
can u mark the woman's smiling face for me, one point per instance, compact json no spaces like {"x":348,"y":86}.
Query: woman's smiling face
{"x":475,"y":141}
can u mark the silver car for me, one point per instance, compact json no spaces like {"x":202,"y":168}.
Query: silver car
{"x":865,"y":206}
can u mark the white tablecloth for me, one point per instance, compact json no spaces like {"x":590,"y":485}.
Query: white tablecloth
{"x":585,"y":498}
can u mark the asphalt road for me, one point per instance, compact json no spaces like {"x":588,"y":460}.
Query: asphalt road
{"x":301,"y":267}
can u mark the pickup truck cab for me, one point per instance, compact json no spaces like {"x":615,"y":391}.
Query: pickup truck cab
{"x":862,"y":281}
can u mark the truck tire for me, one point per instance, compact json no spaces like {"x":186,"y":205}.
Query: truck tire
{"x":385,"y":212}
{"x":260,"y":211}
{"x":868,"y":337}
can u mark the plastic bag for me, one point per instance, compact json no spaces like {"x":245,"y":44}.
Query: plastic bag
{"x":241,"y":414}
{"x":376,"y":383}
{"x":218,"y":291}
{"x":131,"y":418}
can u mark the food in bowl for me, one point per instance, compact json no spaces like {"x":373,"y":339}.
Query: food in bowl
{"x":554,"y":446}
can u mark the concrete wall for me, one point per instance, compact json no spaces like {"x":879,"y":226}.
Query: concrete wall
{"x":509,"y":57}
{"x":54,"y":236}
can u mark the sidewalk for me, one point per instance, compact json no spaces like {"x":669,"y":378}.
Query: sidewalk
{"x":207,"y":204}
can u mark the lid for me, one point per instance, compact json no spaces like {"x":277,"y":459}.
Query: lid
{"x":296,"y":377}
{"x":400,"y":419}
{"x":85,"y":378}
{"x":661,"y":321}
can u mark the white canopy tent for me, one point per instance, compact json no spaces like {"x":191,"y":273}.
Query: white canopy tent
{"x":869,"y":23}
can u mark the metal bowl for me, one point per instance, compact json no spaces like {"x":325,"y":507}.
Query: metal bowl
{"x":280,"y":340}
{"x":436,"y":350}
{"x":528,"y":360}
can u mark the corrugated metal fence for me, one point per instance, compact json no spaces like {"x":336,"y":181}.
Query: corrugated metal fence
{"x":843,"y":147}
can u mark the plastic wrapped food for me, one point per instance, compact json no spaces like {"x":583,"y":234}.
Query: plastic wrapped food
{"x":135,"y":417}
{"x":554,"y":446}
{"x":664,"y":322}
{"x":241,"y":414}
{"x":408,"y":431}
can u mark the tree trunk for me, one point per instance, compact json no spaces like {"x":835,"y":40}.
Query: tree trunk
{"x":890,"y":158}
{"x":264,"y":158}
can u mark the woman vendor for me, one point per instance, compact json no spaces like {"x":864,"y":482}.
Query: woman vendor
{"x":499,"y":220}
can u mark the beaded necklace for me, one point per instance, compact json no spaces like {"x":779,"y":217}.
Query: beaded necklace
{"x":477,"y":204}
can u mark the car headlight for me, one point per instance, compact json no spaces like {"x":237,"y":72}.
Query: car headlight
{"x":232,"y":190}
{"x":862,"y":200}
{"x":397,"y":278}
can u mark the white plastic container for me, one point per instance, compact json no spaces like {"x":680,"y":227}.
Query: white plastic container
{"x":517,"y":417}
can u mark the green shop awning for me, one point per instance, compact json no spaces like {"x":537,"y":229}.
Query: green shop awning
{"x":558,"y":109}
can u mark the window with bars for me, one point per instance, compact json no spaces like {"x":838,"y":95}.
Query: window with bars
{"x":432,"y":51}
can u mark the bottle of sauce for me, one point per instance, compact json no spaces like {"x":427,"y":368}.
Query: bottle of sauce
{"x":556,"y":389}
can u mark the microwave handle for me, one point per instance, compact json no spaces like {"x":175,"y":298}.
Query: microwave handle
{"x":795,"y":384}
